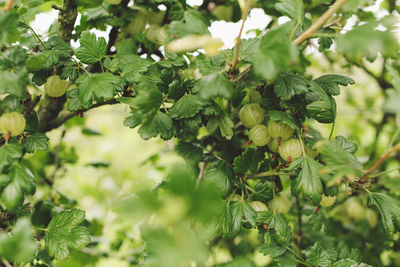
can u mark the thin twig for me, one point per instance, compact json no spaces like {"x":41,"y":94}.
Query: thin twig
{"x":237,"y":47}
{"x":5,"y":262}
{"x":8,"y":5}
{"x":319,"y":22}
{"x":62,"y":119}
{"x":379,"y":162}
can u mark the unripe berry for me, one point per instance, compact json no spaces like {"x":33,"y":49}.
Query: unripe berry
{"x":290,"y":150}
{"x":258,"y":206}
{"x":13,"y":123}
{"x":259,"y":135}
{"x":355,"y":210}
{"x":235,"y":197}
{"x":371,"y":217}
{"x":254,"y":96}
{"x":279,"y":130}
{"x":55,"y":87}
{"x":138,"y":23}
{"x":251,"y":115}
{"x":280,"y":204}
{"x":273,"y":145}
{"x":327,"y":201}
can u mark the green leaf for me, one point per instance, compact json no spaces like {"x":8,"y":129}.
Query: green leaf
{"x":70,"y":70}
{"x":132,"y":67}
{"x":21,"y":182}
{"x":64,"y":232}
{"x":338,"y":160}
{"x":161,"y":125}
{"x":248,"y":161}
{"x":193,"y":23}
{"x":317,"y":256}
{"x":308,"y":181}
{"x":190,"y":152}
{"x":57,"y":49}
{"x":97,"y":86}
{"x":92,"y":49}
{"x":74,"y":102}
{"x":270,"y":247}
{"x":236,"y":213}
{"x":289,"y":84}
{"x":345,"y":144}
{"x":37,"y":141}
{"x":323,"y":106}
{"x":134,"y":120}
{"x":279,"y":229}
{"x":330,"y":83}
{"x":220,"y":175}
{"x":9,"y":153}
{"x":283,"y":117}
{"x":249,"y":213}
{"x":349,"y":262}
{"x":89,"y":3}
{"x":225,"y":124}
{"x":291,"y":8}
{"x":213,"y":85}
{"x":275,"y":53}
{"x":366,"y":41}
{"x":148,"y":98}
{"x":11,"y":83}
{"x":389,"y":208}
{"x":19,"y":246}
{"x":186,"y":107}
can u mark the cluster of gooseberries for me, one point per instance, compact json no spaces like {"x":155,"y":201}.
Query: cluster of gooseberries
{"x":276,"y":135}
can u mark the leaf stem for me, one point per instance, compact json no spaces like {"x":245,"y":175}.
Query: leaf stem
{"x":331,"y":133}
{"x":319,"y":22}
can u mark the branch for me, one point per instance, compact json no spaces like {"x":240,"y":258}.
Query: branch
{"x":51,"y":107}
{"x":8,"y":5}
{"x":319,"y":22}
{"x":379,"y":162}
{"x":62,"y":119}
{"x":66,"y":19}
{"x":237,"y":47}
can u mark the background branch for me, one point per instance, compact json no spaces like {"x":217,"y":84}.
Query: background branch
{"x":319,"y":22}
{"x":64,"y":117}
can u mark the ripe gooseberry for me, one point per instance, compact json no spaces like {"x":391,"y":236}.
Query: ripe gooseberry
{"x":279,"y":130}
{"x":55,"y":87}
{"x":290,"y":150}
{"x":251,"y":115}
{"x":259,"y":135}
{"x":12,"y":123}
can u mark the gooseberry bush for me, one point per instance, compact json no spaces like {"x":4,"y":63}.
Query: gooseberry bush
{"x":264,"y":184}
